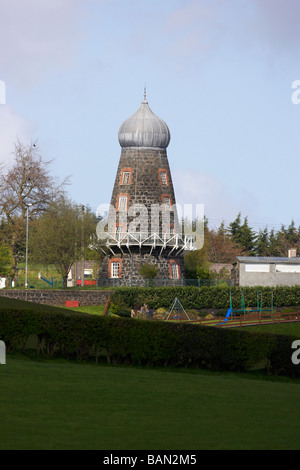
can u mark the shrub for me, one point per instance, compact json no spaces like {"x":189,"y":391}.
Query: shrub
{"x":216,"y":297}
{"x":148,"y":271}
{"x":120,"y":310}
{"x":152,"y":343}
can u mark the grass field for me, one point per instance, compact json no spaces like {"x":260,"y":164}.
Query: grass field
{"x":64,"y":405}
{"x":58,"y":404}
{"x":7,"y":302}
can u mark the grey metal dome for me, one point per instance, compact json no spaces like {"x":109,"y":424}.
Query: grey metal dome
{"x":144,"y":129}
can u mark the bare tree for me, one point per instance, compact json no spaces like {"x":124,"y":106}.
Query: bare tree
{"x":26,"y":185}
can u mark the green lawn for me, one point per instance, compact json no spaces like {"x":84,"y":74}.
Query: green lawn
{"x":57,"y":404}
{"x":91,"y":309}
{"x":65,"y":405}
{"x":7,"y":302}
{"x":281,"y":328}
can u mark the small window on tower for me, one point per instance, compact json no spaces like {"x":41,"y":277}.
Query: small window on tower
{"x":122,"y":203}
{"x":119,"y":232}
{"x":163,"y":176}
{"x":126,"y":177}
{"x":167,"y":202}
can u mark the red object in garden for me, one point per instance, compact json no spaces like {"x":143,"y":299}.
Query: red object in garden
{"x":71,"y":303}
{"x":87,"y":283}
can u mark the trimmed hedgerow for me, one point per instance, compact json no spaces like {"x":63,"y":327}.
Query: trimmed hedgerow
{"x":206,"y":297}
{"x":140,"y":342}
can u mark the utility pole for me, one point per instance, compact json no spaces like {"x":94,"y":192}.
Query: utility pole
{"x":26,"y":256}
{"x":82,"y":246}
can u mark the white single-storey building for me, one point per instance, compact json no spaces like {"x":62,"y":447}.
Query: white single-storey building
{"x":269,"y":271}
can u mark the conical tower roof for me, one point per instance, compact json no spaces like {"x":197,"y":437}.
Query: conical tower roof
{"x":144,"y":129}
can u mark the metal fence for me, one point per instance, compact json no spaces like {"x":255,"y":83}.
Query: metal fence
{"x":34,"y":283}
{"x":116,"y":282}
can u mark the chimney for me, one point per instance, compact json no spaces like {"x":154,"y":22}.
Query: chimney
{"x":292,"y":253}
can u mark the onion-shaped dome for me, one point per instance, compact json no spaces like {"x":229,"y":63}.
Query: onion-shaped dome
{"x":144,"y":129}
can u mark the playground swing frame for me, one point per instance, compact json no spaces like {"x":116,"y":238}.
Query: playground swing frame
{"x":259,"y":308}
{"x":176,"y":305}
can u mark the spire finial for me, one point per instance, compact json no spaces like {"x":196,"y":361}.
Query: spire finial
{"x":145,"y":95}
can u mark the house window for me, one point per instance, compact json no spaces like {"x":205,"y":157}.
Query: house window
{"x":287,"y":268}
{"x":115,"y":267}
{"x":163,"y":177}
{"x":122,"y":202}
{"x":88,"y":273}
{"x":174,"y":270}
{"x":257,"y":268}
{"x":126,"y":176}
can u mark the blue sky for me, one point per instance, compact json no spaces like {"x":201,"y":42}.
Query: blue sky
{"x":218,"y":72}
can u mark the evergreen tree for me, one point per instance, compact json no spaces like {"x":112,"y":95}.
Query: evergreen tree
{"x":222,"y":230}
{"x":273,"y":244}
{"x":248,"y":238}
{"x":235,"y":229}
{"x":263,"y":243}
{"x":291,"y":234}
{"x":243,"y":235}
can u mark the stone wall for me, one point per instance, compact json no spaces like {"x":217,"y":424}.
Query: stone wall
{"x":131,"y":264}
{"x":145,"y":186}
{"x":58,"y":297}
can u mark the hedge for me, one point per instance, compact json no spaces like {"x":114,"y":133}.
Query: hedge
{"x":217,"y":297}
{"x":140,"y":342}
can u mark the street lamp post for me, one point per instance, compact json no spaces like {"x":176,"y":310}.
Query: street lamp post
{"x":26,"y":256}
{"x":82,"y":246}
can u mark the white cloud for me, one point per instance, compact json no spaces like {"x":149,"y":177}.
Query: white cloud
{"x":37,"y":36}
{"x":37,"y":39}
{"x":13,"y":127}
{"x":199,"y":29}
{"x":197,"y":187}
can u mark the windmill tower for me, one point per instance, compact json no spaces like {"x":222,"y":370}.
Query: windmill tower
{"x":143,"y":226}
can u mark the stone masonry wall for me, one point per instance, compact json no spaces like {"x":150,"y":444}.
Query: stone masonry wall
{"x":57,"y":297}
{"x":145,"y":186}
{"x":131,"y":264}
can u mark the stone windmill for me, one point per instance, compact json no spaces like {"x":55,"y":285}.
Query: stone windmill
{"x":142,"y":224}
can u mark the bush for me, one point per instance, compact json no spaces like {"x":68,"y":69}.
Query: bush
{"x":120,"y":310}
{"x":216,"y":297}
{"x":151,"y":343}
{"x":148,"y":271}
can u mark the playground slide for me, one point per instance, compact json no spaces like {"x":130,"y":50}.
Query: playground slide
{"x":227,"y":315}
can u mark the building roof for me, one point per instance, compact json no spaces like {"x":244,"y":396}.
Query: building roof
{"x":268,"y":259}
{"x":144,"y":129}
